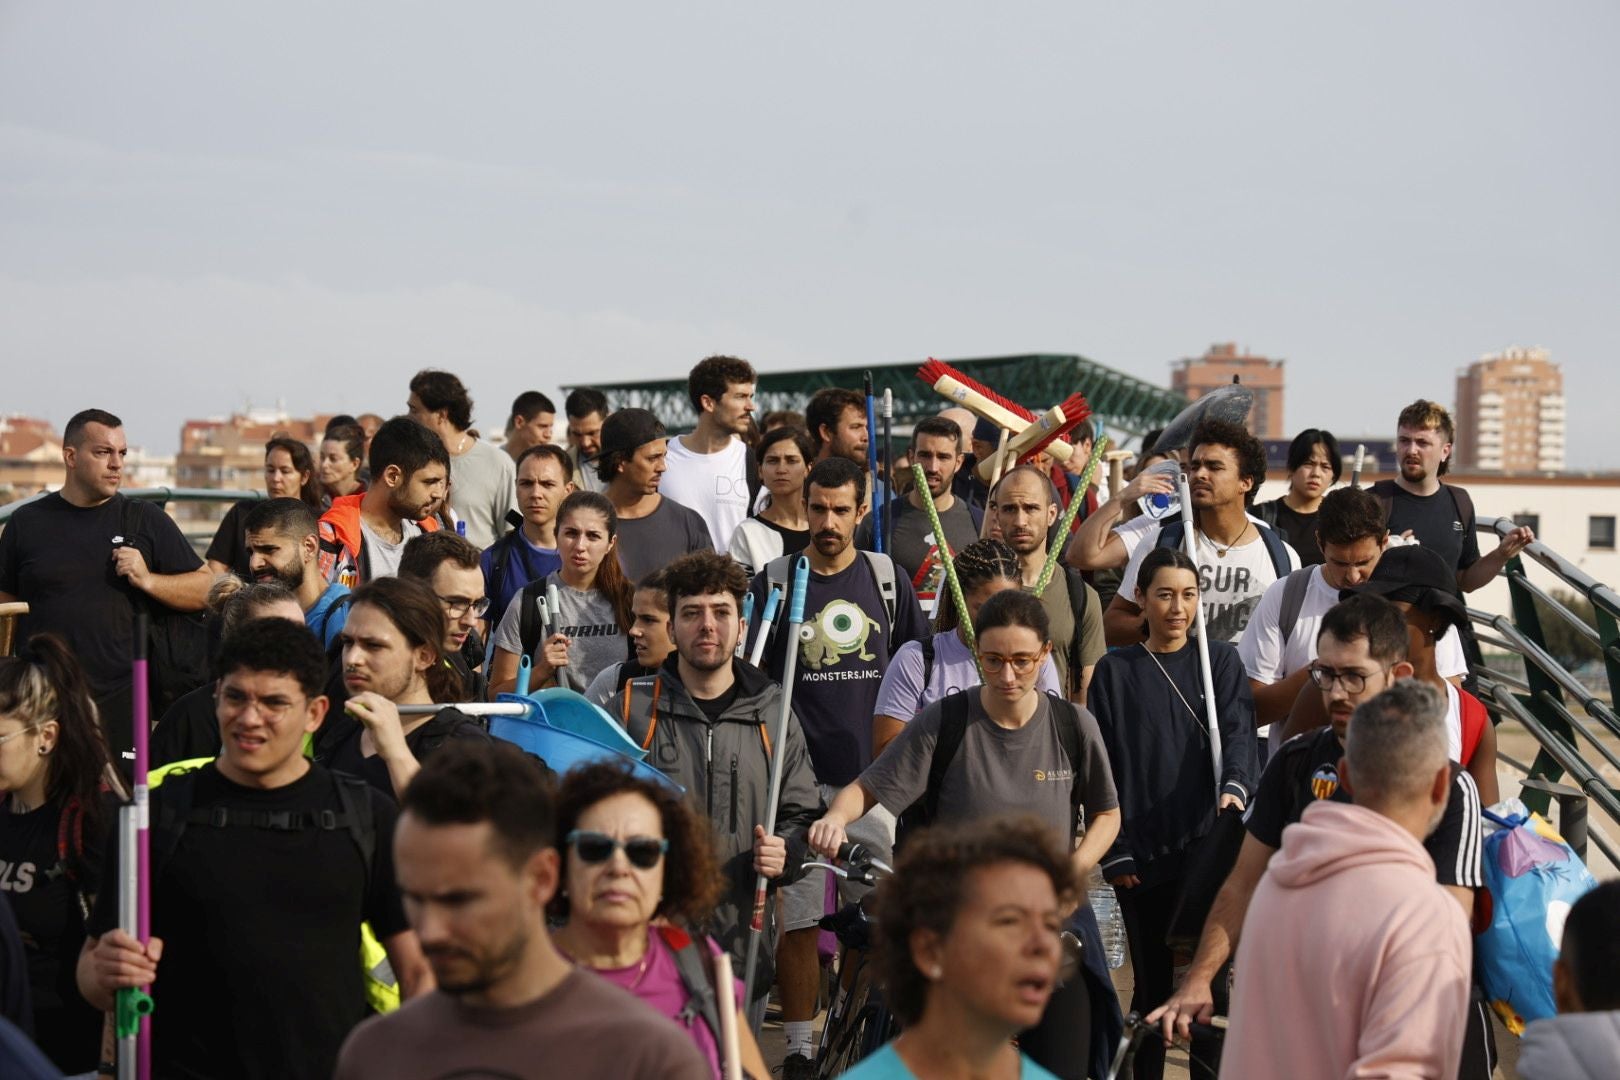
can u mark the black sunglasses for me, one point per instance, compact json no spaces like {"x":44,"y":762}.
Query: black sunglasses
{"x":594,"y":847}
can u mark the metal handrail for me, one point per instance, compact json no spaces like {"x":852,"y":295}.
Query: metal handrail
{"x":1602,"y":596}
{"x":160,"y":495}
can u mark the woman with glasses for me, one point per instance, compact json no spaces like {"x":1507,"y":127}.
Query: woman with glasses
{"x":922,"y":672}
{"x":393,"y":655}
{"x":968,"y":948}
{"x":289,"y":473}
{"x":998,"y":748}
{"x":594,"y":600}
{"x":1149,"y":701}
{"x":55,"y":811}
{"x":639,"y":878}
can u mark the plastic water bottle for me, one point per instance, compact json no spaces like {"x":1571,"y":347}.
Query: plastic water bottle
{"x":1157,"y":506}
{"x":1111,"y":924}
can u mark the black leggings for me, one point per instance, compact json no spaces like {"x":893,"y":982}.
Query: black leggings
{"x":1147,"y":911}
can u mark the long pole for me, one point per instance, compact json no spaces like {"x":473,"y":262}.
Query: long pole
{"x":888,"y":462}
{"x":133,"y":1025}
{"x":872,"y":465}
{"x":1075,"y":499}
{"x":1190,"y":543}
{"x":773,"y":599}
{"x":790,"y":667}
{"x":947,"y":560}
{"x":1361,"y":459}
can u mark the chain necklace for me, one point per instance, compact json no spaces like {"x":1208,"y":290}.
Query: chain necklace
{"x":641,"y":968}
{"x":1198,"y":721}
{"x":1221,"y":551}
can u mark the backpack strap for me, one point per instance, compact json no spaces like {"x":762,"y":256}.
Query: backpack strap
{"x":1277,"y":548}
{"x":1170,"y":535}
{"x":953,"y":722}
{"x":354,"y":795}
{"x":1077,"y":604}
{"x":1295,"y":586}
{"x":529,"y":626}
{"x":751,"y":479}
{"x":1384,"y":492}
{"x":1066,"y":718}
{"x":779,"y":575}
{"x":883,"y":570}
{"x":692,"y":962}
{"x":638,"y":709}
{"x":504,"y":547}
{"x":926,"y":643}
{"x":70,"y":850}
{"x":1465,"y":505}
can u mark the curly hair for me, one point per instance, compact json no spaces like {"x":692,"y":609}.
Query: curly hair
{"x":930,"y":884}
{"x":692,"y":880}
{"x":714,"y":375}
{"x":442,"y":390}
{"x":701,"y":573}
{"x":1249,"y":451}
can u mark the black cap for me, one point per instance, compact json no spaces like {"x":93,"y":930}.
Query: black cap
{"x":1415,"y":575}
{"x":628,"y":429}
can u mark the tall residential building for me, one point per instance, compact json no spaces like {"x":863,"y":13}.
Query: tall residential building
{"x":1218,"y":365}
{"x":1510,"y":413}
{"x":229,"y":453}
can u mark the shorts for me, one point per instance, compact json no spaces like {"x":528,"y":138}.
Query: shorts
{"x":805,"y":901}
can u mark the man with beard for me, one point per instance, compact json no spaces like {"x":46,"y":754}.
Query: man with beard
{"x":1024,"y":507}
{"x":936,"y":445}
{"x":284,"y":545}
{"x":653,"y":529}
{"x":476,"y":855}
{"x":710,"y":469}
{"x":1238,"y":555}
{"x":482,"y":498}
{"x":587,"y":411}
{"x":858,"y":611}
{"x":363,"y":536}
{"x":1443,"y":521}
{"x":703,"y":706}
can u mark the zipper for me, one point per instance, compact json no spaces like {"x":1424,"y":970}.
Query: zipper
{"x":708,"y":766}
{"x":734,"y":793}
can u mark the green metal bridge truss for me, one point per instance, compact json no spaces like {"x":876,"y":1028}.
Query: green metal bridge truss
{"x":1037,"y":381}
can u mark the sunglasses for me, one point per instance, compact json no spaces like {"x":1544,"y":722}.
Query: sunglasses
{"x":594,"y":847}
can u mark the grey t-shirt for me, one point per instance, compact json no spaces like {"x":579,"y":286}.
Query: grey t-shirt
{"x":913,"y":543}
{"x":596,"y":639}
{"x":382,"y":558}
{"x":996,"y":770}
{"x":653,"y":542}
{"x":483,"y":487}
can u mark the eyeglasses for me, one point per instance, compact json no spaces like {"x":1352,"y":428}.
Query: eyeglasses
{"x":594,"y":847}
{"x":272,"y":708}
{"x":20,"y":731}
{"x":1354,"y":682}
{"x":1022,"y":663}
{"x":458,"y":606}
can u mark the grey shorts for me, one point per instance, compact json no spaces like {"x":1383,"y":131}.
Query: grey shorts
{"x":805,"y":901}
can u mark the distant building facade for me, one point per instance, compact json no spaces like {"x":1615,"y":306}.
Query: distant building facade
{"x":30,"y":457}
{"x":1510,"y":413}
{"x":228,"y":453}
{"x":1218,"y":366}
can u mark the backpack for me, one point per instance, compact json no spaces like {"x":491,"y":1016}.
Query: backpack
{"x":693,"y":963}
{"x":1173,"y":536}
{"x":1076,"y":581}
{"x":530,"y":628}
{"x":503,"y":549}
{"x":176,"y":814}
{"x":1297,"y":584}
{"x":953,"y":725}
{"x":70,"y":851}
{"x":779,"y":572}
{"x":177,"y":641}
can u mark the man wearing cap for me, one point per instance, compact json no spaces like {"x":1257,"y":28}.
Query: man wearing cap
{"x":653,"y":530}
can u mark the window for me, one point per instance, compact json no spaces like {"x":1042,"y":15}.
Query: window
{"x":1600,"y":532}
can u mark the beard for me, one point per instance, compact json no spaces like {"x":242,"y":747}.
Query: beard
{"x":475,"y":973}
{"x":290,"y":576}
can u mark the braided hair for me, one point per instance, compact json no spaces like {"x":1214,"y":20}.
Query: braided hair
{"x":979,"y":562}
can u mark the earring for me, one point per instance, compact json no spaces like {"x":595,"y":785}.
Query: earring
{"x":44,"y":750}
{"x":936,"y":972}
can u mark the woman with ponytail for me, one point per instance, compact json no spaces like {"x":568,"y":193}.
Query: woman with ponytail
{"x":393,"y":655}
{"x":56,"y":807}
{"x":592,"y":627}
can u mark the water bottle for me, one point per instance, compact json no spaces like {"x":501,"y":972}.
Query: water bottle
{"x":1157,"y":506}
{"x":1110,"y":923}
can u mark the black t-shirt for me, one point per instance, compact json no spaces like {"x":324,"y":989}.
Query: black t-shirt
{"x":1296,"y":528}
{"x":792,"y":539}
{"x":44,"y":883}
{"x":1436,"y":522}
{"x":1306,"y":768}
{"x":260,"y":975}
{"x":58,"y":557}
{"x":189,"y":729}
{"x":449,"y":723}
{"x":715,"y":708}
{"x":229,"y":545}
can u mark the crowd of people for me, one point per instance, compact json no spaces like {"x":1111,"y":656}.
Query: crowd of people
{"x":350,"y":877}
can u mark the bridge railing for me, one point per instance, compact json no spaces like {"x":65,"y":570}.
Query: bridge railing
{"x":1575,"y":727}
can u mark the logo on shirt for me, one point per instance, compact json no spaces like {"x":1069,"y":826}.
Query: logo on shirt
{"x":1054,"y":775}
{"x":1324,"y":782}
{"x":834,"y":632}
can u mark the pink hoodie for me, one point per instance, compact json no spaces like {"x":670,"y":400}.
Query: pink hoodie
{"x":1353,"y":961}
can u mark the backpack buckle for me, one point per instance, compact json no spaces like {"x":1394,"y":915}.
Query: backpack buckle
{"x":219,"y":817}
{"x":328,"y":820}
{"x":278,"y":819}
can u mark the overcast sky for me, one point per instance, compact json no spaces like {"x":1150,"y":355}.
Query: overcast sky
{"x":205,"y":204}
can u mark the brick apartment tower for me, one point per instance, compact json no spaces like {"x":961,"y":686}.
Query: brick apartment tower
{"x":1215,"y":368}
{"x":1510,"y":413}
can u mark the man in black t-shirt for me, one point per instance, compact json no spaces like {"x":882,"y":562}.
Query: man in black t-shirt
{"x":1439,"y":516}
{"x":84,"y":557}
{"x":264,"y":865}
{"x":1361,"y":650}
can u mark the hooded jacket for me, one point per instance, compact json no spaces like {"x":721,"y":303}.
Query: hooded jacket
{"x":1353,"y":961}
{"x":1575,"y":1046}
{"x":725,"y":766}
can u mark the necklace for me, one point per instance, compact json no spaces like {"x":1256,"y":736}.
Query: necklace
{"x":641,"y":968}
{"x":1221,"y":551}
{"x":462,"y":445}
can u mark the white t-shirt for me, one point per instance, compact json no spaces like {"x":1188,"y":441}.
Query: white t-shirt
{"x":1231,"y":585}
{"x":1454,"y":723}
{"x":714,"y":485}
{"x":382,"y":558}
{"x":1268,"y":660}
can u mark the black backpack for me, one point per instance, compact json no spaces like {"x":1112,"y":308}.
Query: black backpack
{"x":953,"y":725}
{"x":176,"y":641}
